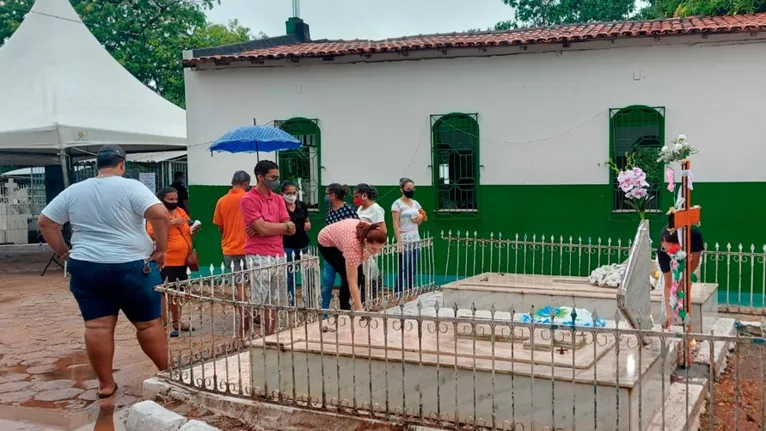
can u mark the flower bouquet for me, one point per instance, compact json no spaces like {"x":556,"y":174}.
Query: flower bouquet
{"x":632,"y":182}
{"x":423,"y":215}
{"x":679,"y":150}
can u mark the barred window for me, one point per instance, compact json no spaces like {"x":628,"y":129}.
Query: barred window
{"x":638,"y":131}
{"x":301,"y":165}
{"x":455,"y":168}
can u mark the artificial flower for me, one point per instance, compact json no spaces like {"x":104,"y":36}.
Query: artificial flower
{"x":673,"y":249}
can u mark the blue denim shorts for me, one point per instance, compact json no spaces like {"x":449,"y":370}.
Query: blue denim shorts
{"x":103,"y":289}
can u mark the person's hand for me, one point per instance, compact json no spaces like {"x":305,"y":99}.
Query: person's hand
{"x":307,"y":225}
{"x":158,"y":257}
{"x":290,"y":228}
{"x":195,"y":230}
{"x":417,"y":219}
{"x":65,"y":256}
{"x":358,"y":306}
{"x":177,"y":221}
{"x":250,"y":231}
{"x":399,"y":247}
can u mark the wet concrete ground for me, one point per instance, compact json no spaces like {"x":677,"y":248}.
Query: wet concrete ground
{"x":46,"y":381}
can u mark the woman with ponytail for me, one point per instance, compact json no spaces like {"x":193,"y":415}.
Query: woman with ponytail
{"x":345,"y":245}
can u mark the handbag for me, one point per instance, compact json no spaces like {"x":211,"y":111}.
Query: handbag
{"x":192,"y":259}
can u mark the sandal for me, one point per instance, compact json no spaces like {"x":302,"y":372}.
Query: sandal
{"x":104,"y":396}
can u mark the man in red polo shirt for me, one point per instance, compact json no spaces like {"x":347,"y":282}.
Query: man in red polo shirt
{"x":266,"y":221}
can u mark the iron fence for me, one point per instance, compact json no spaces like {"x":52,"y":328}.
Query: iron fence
{"x":398,"y":271}
{"x":19,"y":207}
{"x":739,"y":270}
{"x":462,"y":368}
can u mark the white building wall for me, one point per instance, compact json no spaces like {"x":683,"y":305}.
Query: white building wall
{"x":544,"y":118}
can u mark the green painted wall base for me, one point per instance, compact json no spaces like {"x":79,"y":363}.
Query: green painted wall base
{"x":577,"y":210}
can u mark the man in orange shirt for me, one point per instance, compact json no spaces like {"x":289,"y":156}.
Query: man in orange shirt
{"x":231,"y":224}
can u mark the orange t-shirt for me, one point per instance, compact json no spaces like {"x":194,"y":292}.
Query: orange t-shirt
{"x":228,"y":216}
{"x":179,"y":240}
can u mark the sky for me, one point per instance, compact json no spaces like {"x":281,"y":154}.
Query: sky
{"x":364,"y":19}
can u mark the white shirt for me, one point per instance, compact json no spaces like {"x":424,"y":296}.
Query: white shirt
{"x":408,"y":229}
{"x":373,"y":214}
{"x":107,"y":218}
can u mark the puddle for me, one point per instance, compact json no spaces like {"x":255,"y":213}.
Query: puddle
{"x":70,"y":413}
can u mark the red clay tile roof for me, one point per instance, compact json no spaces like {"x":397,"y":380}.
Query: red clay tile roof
{"x":559,"y":34}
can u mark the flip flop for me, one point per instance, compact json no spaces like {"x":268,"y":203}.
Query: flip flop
{"x":104,"y":396}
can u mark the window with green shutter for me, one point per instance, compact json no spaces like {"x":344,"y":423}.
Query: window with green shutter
{"x":638,"y":131}
{"x":301,"y":165}
{"x":455,"y":165}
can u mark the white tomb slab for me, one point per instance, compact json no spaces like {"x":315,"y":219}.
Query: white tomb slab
{"x":523,"y":292}
{"x":454,"y":369}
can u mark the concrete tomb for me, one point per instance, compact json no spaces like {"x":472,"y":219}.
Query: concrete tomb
{"x":473,"y":368}
{"x":523,"y":292}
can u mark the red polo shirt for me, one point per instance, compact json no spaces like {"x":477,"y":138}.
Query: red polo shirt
{"x":272,"y":209}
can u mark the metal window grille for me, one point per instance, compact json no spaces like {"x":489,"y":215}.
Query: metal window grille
{"x":455,"y":153}
{"x":301,"y":166}
{"x":638,"y":131}
{"x":163,"y":171}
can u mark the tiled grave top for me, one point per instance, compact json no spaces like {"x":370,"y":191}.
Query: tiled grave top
{"x":514,"y":350}
{"x":558,"y":286}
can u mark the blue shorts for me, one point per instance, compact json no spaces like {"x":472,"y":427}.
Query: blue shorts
{"x":103,"y":289}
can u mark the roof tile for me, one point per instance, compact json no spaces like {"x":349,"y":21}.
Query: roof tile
{"x":559,"y":34}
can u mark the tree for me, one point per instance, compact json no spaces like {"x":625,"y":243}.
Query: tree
{"x":544,"y":13}
{"x":146,"y":36}
{"x":684,"y":8}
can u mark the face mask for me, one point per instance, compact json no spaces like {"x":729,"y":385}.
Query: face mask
{"x":271,"y":184}
{"x":290,"y":199}
{"x":327,"y":199}
{"x":409,"y":193}
{"x":358,"y":202}
{"x":170,"y":205}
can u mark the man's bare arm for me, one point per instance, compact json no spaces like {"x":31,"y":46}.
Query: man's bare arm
{"x":157,"y":215}
{"x":694,"y":261}
{"x":51,"y":231}
{"x":264,"y":228}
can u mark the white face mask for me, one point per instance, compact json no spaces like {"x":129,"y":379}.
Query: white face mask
{"x":290,"y":199}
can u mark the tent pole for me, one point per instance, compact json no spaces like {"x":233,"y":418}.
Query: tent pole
{"x":64,"y":167}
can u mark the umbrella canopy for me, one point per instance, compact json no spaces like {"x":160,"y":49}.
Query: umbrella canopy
{"x":254,"y":139}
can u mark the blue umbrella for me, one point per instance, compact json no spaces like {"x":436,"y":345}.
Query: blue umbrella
{"x":254,"y":139}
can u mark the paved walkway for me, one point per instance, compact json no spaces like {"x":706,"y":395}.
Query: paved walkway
{"x":45,"y":377}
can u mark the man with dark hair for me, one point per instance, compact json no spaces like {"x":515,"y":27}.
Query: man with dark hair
{"x":183,"y":194}
{"x":113,"y":264}
{"x":266,"y":221}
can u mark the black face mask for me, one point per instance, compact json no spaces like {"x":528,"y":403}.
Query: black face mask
{"x":409,"y":193}
{"x":170,"y":205}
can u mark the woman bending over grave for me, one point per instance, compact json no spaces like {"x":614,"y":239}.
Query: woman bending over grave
{"x":668,"y":240}
{"x":344,"y":246}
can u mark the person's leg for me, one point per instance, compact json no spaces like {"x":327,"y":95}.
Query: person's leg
{"x":99,"y":344}
{"x":151,"y":338}
{"x":92,"y":286}
{"x":142,"y":306}
{"x":328,"y":281}
{"x":401,"y":276}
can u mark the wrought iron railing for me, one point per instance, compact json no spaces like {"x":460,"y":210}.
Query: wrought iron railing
{"x":740,"y":271}
{"x":398,"y":271}
{"x":459,"y":368}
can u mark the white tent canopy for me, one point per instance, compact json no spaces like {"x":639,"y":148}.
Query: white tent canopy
{"x":62,"y":92}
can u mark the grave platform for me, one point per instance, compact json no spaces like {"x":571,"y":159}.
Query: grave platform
{"x":470,"y":370}
{"x":522,"y":292}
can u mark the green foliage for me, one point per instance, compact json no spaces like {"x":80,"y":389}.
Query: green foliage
{"x":542,"y":13}
{"x":685,"y":8}
{"x":146,"y":36}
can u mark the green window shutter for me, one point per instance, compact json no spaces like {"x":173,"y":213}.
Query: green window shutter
{"x":638,"y":131}
{"x":302,"y":166}
{"x":455,"y":164}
